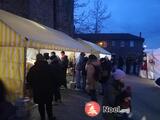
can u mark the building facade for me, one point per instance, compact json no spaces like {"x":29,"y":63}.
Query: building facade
{"x":119,"y":44}
{"x":57,"y":14}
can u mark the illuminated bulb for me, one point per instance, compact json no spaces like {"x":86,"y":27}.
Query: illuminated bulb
{"x":101,"y":43}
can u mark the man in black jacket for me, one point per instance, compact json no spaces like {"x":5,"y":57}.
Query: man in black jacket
{"x":64,"y":64}
{"x":40,"y":79}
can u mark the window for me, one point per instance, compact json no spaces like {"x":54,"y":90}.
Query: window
{"x":113,"y":43}
{"x":122,"y":44}
{"x":132,"y":44}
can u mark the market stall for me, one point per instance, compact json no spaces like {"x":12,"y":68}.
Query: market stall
{"x":20,"y":40}
{"x":153,"y":63}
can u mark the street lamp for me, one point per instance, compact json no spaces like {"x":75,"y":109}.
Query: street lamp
{"x":144,"y":46}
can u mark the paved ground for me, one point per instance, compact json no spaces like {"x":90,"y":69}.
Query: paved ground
{"x":145,"y":103}
{"x":72,"y":107}
{"x":146,"y":99}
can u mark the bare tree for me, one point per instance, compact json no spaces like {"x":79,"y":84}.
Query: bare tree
{"x":92,"y":21}
{"x":99,"y":15}
{"x":80,"y":15}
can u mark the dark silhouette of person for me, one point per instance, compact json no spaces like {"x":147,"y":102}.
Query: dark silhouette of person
{"x":55,"y":64}
{"x":114,"y":61}
{"x":135,"y":65}
{"x":106,"y":72}
{"x":7,"y":110}
{"x":120,"y":63}
{"x":54,"y":57}
{"x":128,"y":65}
{"x":64,"y":64}
{"x":40,"y":79}
{"x":84,"y":73}
{"x":46,"y":57}
{"x":79,"y":70}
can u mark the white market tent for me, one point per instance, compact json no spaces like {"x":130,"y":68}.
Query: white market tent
{"x":95,"y":49}
{"x":19,"y":36}
{"x":153,"y":63}
{"x":38,"y":33}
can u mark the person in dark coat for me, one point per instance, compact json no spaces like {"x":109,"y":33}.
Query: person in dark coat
{"x":43,"y":86}
{"x":120,"y":63}
{"x":112,"y":91}
{"x":7,"y":110}
{"x":128,"y":65}
{"x":135,"y":64}
{"x":64,"y":63}
{"x":84,"y":74}
{"x":54,"y":57}
{"x":79,"y":70}
{"x":106,"y":72}
{"x":55,"y":64}
{"x":46,"y":57}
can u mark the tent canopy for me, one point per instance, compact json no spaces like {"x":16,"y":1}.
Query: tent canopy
{"x":40,"y":33}
{"x":153,"y":63}
{"x":94,"y":47}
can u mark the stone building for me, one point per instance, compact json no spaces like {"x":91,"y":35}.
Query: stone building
{"x":119,"y":44}
{"x":57,"y":14}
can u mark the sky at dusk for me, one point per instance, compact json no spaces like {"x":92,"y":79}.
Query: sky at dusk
{"x":134,"y":16}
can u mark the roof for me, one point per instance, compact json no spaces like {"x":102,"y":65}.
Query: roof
{"x":94,"y":47}
{"x":39,"y":33}
{"x":108,"y":36}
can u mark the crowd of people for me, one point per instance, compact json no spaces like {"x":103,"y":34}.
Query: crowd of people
{"x":45,"y":78}
{"x":91,"y":71}
{"x":48,"y":74}
{"x":129,"y":64}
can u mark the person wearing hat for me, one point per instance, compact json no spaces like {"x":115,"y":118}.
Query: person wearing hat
{"x":112,"y":91}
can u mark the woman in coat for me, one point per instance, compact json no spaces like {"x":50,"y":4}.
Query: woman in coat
{"x":92,"y":71}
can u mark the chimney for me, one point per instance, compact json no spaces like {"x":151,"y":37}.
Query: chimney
{"x":140,"y":34}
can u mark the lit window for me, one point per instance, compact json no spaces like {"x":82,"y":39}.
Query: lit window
{"x":122,"y":44}
{"x":131,"y":43}
{"x":102,"y":44}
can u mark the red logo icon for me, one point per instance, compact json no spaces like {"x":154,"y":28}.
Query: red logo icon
{"x":92,"y":109}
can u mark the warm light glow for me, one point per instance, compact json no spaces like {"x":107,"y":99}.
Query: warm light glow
{"x":101,"y":43}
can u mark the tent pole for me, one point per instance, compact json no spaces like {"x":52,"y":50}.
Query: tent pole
{"x":74,"y":66}
{"x":39,"y":50}
{"x":25,"y":62}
